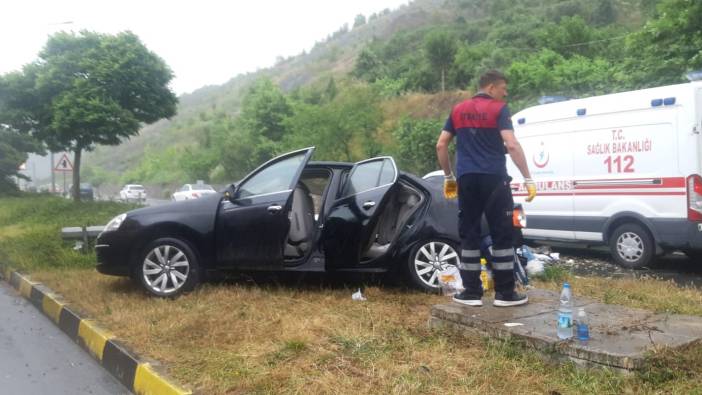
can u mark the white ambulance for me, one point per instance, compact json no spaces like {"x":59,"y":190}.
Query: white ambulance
{"x":622,"y":170}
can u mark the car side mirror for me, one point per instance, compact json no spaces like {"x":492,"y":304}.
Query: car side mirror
{"x":231,"y":191}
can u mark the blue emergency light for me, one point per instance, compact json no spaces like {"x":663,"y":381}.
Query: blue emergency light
{"x":669,"y":101}
{"x":656,"y":102}
{"x":581,"y":112}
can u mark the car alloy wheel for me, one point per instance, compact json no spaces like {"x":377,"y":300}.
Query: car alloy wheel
{"x":430,"y":259}
{"x":165,"y":269}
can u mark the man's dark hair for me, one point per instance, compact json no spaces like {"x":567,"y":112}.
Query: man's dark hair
{"x":491,"y":77}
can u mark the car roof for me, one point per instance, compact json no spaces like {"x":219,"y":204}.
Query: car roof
{"x":340,"y":165}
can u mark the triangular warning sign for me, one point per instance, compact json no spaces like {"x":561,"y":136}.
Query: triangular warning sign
{"x":64,"y":164}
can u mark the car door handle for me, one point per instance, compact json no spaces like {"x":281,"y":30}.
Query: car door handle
{"x":368,"y":205}
{"x":276,"y":208}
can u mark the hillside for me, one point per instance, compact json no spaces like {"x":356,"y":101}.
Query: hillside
{"x":333,"y":56}
{"x":547,"y":47}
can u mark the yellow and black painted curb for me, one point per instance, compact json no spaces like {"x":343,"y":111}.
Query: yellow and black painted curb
{"x":139,"y":376}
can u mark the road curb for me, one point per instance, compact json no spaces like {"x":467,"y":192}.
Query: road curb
{"x":138,"y":375}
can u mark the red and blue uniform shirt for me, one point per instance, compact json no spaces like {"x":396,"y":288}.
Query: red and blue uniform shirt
{"x":477,"y":123}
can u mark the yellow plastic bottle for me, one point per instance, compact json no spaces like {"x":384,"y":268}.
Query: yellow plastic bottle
{"x":486,"y":276}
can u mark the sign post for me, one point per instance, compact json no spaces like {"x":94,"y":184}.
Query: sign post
{"x":64,"y":165}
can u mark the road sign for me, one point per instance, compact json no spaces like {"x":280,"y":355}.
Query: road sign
{"x":64,"y":164}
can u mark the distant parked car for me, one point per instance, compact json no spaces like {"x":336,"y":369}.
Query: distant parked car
{"x":86,"y":191}
{"x":133,"y":193}
{"x":193,"y":191}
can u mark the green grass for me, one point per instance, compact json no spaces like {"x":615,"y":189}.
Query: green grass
{"x":554,"y":274}
{"x":30,"y":229}
{"x":242,"y":338}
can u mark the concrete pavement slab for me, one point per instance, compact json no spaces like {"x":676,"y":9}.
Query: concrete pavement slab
{"x":619,"y":336}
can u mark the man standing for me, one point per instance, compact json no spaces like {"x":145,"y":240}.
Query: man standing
{"x":484,"y":129}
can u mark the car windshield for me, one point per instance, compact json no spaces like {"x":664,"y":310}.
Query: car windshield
{"x":136,"y":188}
{"x":203,"y":187}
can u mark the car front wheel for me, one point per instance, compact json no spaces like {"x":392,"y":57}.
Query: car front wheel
{"x":168,"y":267}
{"x":429,"y":258}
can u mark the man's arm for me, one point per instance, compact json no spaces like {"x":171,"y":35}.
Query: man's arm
{"x":442,"y":152}
{"x":515,"y":152}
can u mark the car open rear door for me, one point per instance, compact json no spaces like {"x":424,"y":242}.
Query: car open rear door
{"x":253,"y":225}
{"x":349,"y":225}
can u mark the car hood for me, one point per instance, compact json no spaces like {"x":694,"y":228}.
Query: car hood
{"x":207,"y":204}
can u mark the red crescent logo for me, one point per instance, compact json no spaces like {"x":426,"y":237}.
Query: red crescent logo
{"x":541,"y":159}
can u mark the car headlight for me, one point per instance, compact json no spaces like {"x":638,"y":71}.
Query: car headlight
{"x":115,"y":222}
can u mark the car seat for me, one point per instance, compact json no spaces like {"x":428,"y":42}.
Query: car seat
{"x":301,"y":223}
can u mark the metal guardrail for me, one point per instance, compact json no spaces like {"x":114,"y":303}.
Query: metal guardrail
{"x":82,"y":235}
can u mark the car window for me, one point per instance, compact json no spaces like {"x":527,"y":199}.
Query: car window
{"x":273,"y":178}
{"x":369,"y":175}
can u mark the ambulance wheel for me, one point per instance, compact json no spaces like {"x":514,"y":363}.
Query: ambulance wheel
{"x":631,"y":246}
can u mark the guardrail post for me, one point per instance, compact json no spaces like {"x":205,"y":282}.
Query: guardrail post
{"x":85,"y":239}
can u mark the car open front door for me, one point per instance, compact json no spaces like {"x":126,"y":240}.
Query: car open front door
{"x":350,"y":222}
{"x":252,"y":225}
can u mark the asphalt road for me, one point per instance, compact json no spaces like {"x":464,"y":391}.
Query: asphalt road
{"x":37,"y":358}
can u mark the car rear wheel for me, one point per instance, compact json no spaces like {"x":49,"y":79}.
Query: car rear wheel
{"x":427,"y":259}
{"x":631,"y":246}
{"x":168,"y":267}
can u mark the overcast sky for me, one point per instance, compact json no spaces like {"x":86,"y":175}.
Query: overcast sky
{"x":205,"y":42}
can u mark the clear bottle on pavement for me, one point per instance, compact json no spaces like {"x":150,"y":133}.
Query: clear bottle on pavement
{"x":565,"y":313}
{"x":582,"y":325}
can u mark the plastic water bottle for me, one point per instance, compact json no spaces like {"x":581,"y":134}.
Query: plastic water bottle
{"x":583,"y":330}
{"x":565,"y":313}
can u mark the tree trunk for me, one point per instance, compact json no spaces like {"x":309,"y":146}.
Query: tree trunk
{"x":443,"y":72}
{"x":75,"y":191}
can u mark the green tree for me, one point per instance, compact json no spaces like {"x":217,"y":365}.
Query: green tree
{"x":416,"y":144}
{"x":368,"y":66}
{"x":667,"y":46}
{"x":263,"y":110}
{"x":605,"y":13}
{"x":331,"y":90}
{"x":440,"y":49}
{"x":87,"y":89}
{"x":360,"y":20}
{"x":343,"y":129}
{"x":14,"y":147}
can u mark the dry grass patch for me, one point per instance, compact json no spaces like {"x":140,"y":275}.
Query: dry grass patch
{"x":245,"y":338}
{"x":644,"y":293}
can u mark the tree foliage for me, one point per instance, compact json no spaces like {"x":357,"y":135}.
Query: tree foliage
{"x":668,"y":46}
{"x":440,"y":49}
{"x":14,"y":147}
{"x":564,"y":47}
{"x":416,"y":144}
{"x":87,"y":89}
